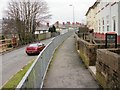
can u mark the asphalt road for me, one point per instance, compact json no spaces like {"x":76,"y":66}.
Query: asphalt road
{"x":13,"y":61}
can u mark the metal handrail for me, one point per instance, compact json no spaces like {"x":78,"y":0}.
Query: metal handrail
{"x":35,"y":76}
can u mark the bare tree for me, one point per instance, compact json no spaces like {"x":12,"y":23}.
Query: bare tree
{"x":26,"y":14}
{"x":8,"y":28}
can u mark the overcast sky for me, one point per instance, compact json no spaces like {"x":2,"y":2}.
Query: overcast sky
{"x":61,"y":11}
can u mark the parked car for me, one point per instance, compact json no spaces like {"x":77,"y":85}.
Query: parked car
{"x":34,"y":48}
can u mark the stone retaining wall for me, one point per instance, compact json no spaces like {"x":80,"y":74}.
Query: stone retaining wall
{"x":87,"y":51}
{"x":108,"y":68}
{"x":107,"y":61}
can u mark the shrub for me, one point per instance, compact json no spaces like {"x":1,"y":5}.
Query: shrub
{"x":9,"y":45}
{"x":2,"y":37}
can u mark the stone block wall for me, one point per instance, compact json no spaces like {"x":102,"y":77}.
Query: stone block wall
{"x":107,"y":61}
{"x":108,"y":68}
{"x":87,"y":51}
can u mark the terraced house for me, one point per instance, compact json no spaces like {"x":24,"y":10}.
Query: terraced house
{"x":104,"y":17}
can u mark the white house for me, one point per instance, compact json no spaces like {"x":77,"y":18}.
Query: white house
{"x":107,"y":18}
{"x":41,"y":29}
{"x":92,"y":17}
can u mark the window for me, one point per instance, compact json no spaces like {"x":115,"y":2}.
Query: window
{"x":107,"y":19}
{"x":103,"y":23}
{"x":114,"y":24}
{"x":107,"y":27}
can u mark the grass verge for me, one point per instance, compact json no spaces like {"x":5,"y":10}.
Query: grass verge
{"x":14,"y":81}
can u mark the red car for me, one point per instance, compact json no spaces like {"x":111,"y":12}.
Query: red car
{"x":34,"y":48}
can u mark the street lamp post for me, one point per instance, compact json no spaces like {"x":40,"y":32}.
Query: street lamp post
{"x":73,"y":13}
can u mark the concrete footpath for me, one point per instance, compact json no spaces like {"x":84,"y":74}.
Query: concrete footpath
{"x":67,"y":69}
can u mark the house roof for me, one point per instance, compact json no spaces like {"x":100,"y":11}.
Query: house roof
{"x":92,"y":7}
{"x":42,"y":27}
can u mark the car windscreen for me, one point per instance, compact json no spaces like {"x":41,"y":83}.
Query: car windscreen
{"x":33,"y":45}
{"x":40,"y":44}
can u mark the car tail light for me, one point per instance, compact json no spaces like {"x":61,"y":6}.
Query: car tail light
{"x":36,"y":48}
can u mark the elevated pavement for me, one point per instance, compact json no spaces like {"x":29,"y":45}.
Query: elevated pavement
{"x":67,"y":69}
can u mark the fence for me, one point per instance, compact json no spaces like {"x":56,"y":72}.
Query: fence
{"x":4,"y":44}
{"x":34,"y":77}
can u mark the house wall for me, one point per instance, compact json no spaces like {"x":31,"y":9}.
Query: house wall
{"x":107,"y":12}
{"x":95,"y":19}
{"x":118,"y":21}
{"x":114,"y":15}
{"x":98,"y":19}
{"x":90,"y":19}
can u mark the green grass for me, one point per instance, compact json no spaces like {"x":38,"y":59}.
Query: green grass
{"x":14,"y":81}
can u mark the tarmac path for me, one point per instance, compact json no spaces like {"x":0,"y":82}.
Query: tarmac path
{"x":67,"y":69}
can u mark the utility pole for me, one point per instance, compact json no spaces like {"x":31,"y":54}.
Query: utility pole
{"x":73,"y":13}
